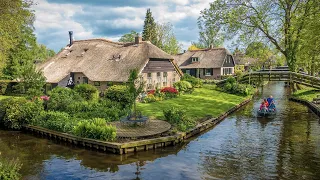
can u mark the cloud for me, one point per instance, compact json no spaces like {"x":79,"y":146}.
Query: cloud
{"x":112,"y":18}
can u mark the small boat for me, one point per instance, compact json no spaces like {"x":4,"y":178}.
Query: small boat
{"x":266,"y":113}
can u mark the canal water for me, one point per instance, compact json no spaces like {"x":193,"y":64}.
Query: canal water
{"x":241,"y":147}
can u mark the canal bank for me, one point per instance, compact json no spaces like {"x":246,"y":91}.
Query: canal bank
{"x":242,"y":146}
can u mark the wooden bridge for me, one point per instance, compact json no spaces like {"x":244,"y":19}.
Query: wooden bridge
{"x":280,"y":75}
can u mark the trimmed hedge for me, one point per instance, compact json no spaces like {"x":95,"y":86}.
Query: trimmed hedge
{"x":183,"y":87}
{"x":178,"y":118}
{"x":95,"y":129}
{"x":16,"y":112}
{"x":87,"y":92}
{"x":120,"y":94}
{"x":61,"y":97}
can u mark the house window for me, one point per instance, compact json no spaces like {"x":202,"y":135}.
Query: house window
{"x":96,"y":83}
{"x":149,"y":81}
{"x":159,"y":76}
{"x":165,"y":78}
{"x":195,"y":59}
{"x":227,"y":71}
{"x":174,"y":77}
{"x":208,"y":72}
{"x":79,"y":77}
{"x":188,"y":71}
{"x":78,"y":82}
{"x":85,"y":80}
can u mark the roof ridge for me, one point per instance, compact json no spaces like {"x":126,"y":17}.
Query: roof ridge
{"x":100,"y":39}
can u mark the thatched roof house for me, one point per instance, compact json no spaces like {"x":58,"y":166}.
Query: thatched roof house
{"x":246,"y":62}
{"x":98,"y":61}
{"x":207,"y":63}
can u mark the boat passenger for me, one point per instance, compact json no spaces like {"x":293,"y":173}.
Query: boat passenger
{"x":266,"y":103}
{"x":272,"y":106}
{"x":263,"y":106}
{"x":270,"y":99}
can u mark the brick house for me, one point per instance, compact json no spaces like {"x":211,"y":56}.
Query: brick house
{"x":211,"y":63}
{"x":101,"y":62}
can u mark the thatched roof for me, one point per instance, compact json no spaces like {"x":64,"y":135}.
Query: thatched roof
{"x":241,"y":59}
{"x":101,"y":60}
{"x":208,"y":58}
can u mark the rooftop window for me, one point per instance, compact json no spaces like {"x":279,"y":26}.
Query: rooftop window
{"x":195,"y":59}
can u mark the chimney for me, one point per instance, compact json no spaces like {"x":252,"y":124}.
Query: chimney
{"x":138,"y":39}
{"x":71,"y":38}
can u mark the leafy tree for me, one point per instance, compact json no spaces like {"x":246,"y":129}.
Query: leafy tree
{"x":278,"y":22}
{"x":209,"y":35}
{"x":14,"y":15}
{"x":165,"y":39}
{"x":149,"y":28}
{"x":42,"y":53}
{"x":129,"y":37}
{"x":31,"y":81}
{"x":135,"y":87}
{"x":193,"y":47}
{"x":309,"y":50}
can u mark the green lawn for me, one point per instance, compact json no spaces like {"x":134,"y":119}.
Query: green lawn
{"x":307,"y":93}
{"x":202,"y":102}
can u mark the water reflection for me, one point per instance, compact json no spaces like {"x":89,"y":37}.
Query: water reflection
{"x":241,"y":147}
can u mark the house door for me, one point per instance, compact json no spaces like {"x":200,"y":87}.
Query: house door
{"x":85,"y":80}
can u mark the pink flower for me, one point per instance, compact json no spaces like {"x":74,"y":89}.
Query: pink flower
{"x":45,"y":98}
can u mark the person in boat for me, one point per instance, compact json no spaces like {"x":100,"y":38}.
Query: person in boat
{"x":272,"y":107}
{"x":263,"y":107}
{"x":266,"y":103}
{"x":270,"y":99}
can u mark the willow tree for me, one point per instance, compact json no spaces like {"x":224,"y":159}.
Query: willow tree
{"x":278,"y":22}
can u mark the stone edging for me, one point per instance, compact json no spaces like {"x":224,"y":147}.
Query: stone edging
{"x":133,"y":146}
{"x":310,"y":105}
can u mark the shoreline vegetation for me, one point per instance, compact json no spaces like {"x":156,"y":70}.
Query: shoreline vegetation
{"x":306,"y":93}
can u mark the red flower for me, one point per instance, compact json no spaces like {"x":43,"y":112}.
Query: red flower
{"x":169,"y":90}
{"x":152,"y":92}
{"x":45,"y":98}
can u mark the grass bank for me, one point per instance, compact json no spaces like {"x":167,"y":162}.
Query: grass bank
{"x":307,"y":93}
{"x":205,"y":101}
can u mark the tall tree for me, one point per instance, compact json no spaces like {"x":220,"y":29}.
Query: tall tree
{"x":149,"y":28}
{"x":14,"y":15}
{"x":309,"y":49}
{"x":279,"y":22}
{"x":129,"y":37}
{"x":209,"y":34}
{"x":165,"y":38}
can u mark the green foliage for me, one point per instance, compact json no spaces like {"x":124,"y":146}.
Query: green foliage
{"x":149,"y":98}
{"x":55,"y":120}
{"x":9,"y":169}
{"x":108,"y":110}
{"x":87,"y":92}
{"x":95,"y":129}
{"x":149,"y":28}
{"x":120,"y":94}
{"x":130,"y":37}
{"x":16,"y":112}
{"x":280,"y":23}
{"x":183,"y":87}
{"x":31,"y":81}
{"x":233,"y":87}
{"x":61,"y":97}
{"x":166,"y":40}
{"x":178,"y":118}
{"x":195,"y":82}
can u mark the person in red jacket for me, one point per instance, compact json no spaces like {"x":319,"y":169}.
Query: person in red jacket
{"x":263,"y":106}
{"x":266,"y":103}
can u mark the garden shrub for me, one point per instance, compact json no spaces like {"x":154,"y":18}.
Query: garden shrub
{"x":87,"y":92}
{"x":9,"y":169}
{"x":95,"y":129}
{"x":195,"y":82}
{"x":16,"y":112}
{"x":183,"y":87}
{"x":178,"y":118}
{"x":55,"y":120}
{"x":169,"y":92}
{"x":61,"y":97}
{"x":149,"y":98}
{"x":112,"y":111}
{"x":232,"y":86}
{"x":119,"y":93}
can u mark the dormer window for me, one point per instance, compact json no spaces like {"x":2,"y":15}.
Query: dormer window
{"x":195,"y":59}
